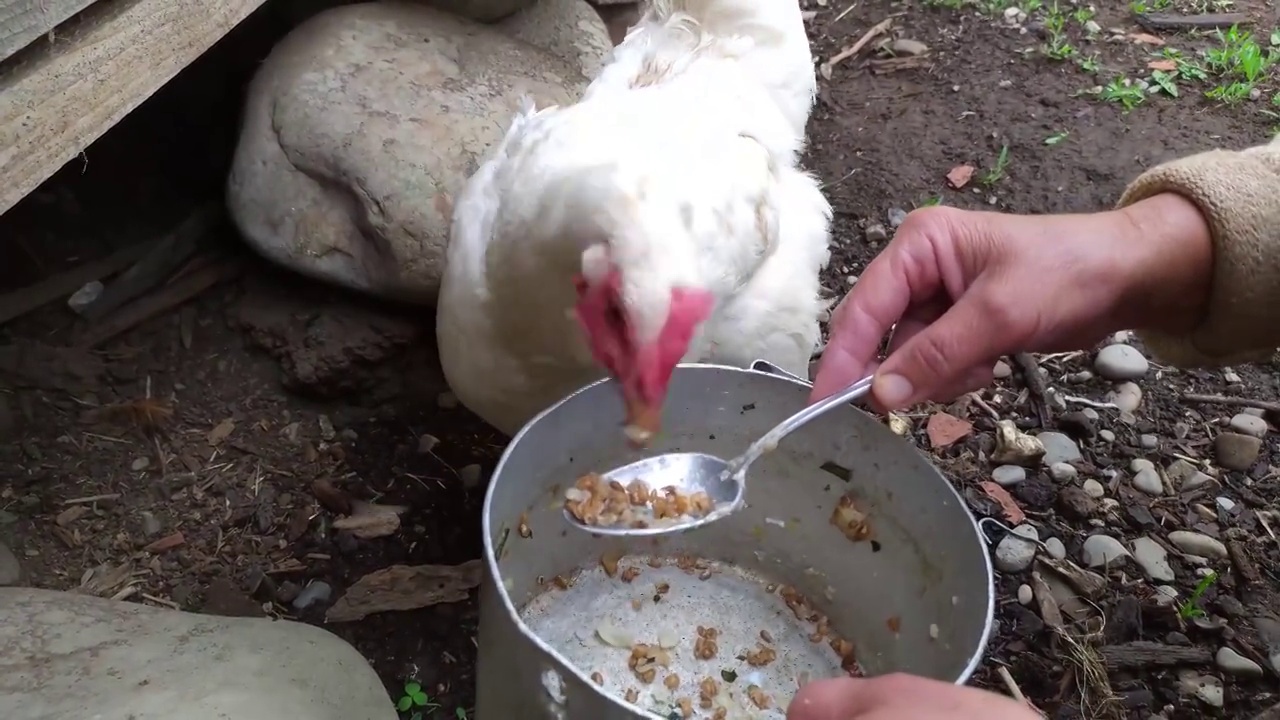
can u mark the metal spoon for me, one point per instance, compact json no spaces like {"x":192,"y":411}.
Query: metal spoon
{"x":725,"y":482}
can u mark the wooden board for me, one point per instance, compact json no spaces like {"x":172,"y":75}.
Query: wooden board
{"x":100,"y":66}
{"x":22,"y":21}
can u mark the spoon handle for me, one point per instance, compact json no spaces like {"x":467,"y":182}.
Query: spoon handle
{"x":771,"y":439}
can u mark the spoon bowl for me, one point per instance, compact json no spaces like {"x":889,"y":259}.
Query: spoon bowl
{"x":723,"y":481}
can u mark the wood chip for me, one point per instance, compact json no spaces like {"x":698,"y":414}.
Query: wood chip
{"x":1142,"y":654}
{"x":1162,"y":65}
{"x":331,"y":498}
{"x":71,"y":514}
{"x":166,"y":543}
{"x":368,"y":520}
{"x":221,"y":431}
{"x":945,"y":429}
{"x":959,"y":176}
{"x":405,"y":587}
{"x":1146,"y":39}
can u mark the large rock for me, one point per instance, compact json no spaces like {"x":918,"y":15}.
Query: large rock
{"x":73,"y":656}
{"x":483,"y":10}
{"x":362,"y":124}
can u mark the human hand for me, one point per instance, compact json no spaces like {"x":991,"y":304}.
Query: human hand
{"x":965,"y":288}
{"x":901,"y":697}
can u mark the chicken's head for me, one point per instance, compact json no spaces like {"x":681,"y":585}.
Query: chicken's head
{"x":638,"y":327}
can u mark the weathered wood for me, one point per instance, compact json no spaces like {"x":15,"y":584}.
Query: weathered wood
{"x":1142,"y":654}
{"x":23,"y":21}
{"x":1176,"y":21}
{"x":19,"y":302}
{"x":59,"y":98}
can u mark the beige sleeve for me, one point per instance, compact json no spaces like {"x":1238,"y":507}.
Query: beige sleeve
{"x":1239,"y":194}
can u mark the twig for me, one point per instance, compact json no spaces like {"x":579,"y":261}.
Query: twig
{"x":878,"y":29}
{"x":91,"y":499}
{"x":1232,"y":402}
{"x":1013,"y":688}
{"x":844,"y":12}
{"x":166,"y":298}
{"x":33,"y":297}
{"x":985,"y":407}
{"x":1034,"y":381}
{"x":1087,"y":402}
{"x":1175,"y":21}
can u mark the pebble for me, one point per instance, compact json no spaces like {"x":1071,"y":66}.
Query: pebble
{"x":1226,"y":503}
{"x":1094,"y":489}
{"x":1137,"y":465}
{"x":1120,"y":362}
{"x":150,"y":524}
{"x":1126,"y":396}
{"x":1185,"y":476}
{"x":1079,"y":378}
{"x":427,"y":443}
{"x":327,"y":432}
{"x":1106,"y":436}
{"x":140,"y":463}
{"x":1230,"y":377}
{"x":471,"y":476}
{"x":1205,"y":687}
{"x":875,"y":233}
{"x":317,"y":592}
{"x":1063,"y":472}
{"x":1148,"y":441}
{"x":1102,"y":551}
{"x":1015,"y":555}
{"x":1233,"y":663}
{"x":1153,"y":559}
{"x":1165,"y":595}
{"x":1055,"y":548}
{"x":1195,"y":543}
{"x":896,"y":216}
{"x":1148,"y":481}
{"x":1001,"y":371}
{"x":1025,"y":595}
{"x":1235,"y":451}
{"x":1059,"y":448}
{"x":10,"y":570}
{"x":1008,"y":475}
{"x":1092,"y":27}
{"x":1247,"y":424}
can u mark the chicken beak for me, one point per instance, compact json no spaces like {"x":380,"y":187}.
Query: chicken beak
{"x":643,"y":421}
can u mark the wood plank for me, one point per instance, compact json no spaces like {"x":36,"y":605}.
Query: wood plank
{"x":103,"y":64}
{"x":23,"y":21}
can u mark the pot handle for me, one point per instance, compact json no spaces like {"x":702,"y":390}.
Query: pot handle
{"x":767,"y":367}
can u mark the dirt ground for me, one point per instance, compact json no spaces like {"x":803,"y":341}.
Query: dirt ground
{"x":195,"y":460}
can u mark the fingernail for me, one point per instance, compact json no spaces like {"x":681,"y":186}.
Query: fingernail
{"x":893,"y":390}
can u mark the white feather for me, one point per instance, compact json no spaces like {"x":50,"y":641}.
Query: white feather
{"x":679,"y":165}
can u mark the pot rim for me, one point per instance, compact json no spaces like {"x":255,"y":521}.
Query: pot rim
{"x":491,"y":563}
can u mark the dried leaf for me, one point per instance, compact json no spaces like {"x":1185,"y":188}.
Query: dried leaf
{"x":944,"y":429}
{"x":1009,"y":507}
{"x":71,"y":514}
{"x":368,"y":520}
{"x":166,"y":543}
{"x":1145,"y":39}
{"x":222,"y":431}
{"x":405,"y":587}
{"x":331,"y":498}
{"x":1162,"y":65}
{"x":960,"y":175}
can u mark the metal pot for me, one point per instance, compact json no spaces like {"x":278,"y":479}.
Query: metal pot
{"x":913,"y":592}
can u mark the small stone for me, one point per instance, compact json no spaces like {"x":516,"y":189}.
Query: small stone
{"x":1233,"y":663}
{"x":1194,"y":543}
{"x":896,"y":216}
{"x":1226,"y":503}
{"x":1230,"y":377}
{"x":1185,"y":476}
{"x":1148,"y":481}
{"x":1106,"y":436}
{"x":1148,"y":441}
{"x":908,"y":47}
{"x":1126,"y":396}
{"x":1103,"y":551}
{"x":427,"y":443}
{"x":85,"y":296}
{"x":1094,"y":489}
{"x":317,"y":592}
{"x":1063,"y":472}
{"x":140,"y":463}
{"x":447,"y":401}
{"x":1137,"y":465}
{"x":875,"y":233}
{"x":1153,"y":559}
{"x":1078,"y":424}
{"x":1013,"y":554}
{"x":1205,"y":687}
{"x":1055,"y":548}
{"x":1014,"y":447}
{"x":1177,"y":638}
{"x":1008,"y":475}
{"x":1121,"y":362}
{"x":1079,"y":378}
{"x":1235,"y":451}
{"x":1001,"y":371}
{"x":471,"y":476}
{"x":10,"y":570}
{"x":1025,"y":594}
{"x":150,"y":524}
{"x":1091,"y":27}
{"x":1165,"y":595}
{"x":1059,"y":448}
{"x":327,"y":432}
{"x":1247,"y":424}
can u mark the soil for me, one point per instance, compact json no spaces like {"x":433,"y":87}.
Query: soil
{"x":216,"y":419}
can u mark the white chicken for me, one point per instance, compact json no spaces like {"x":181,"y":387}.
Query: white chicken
{"x":661,"y":219}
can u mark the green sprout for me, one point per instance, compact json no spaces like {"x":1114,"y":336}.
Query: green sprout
{"x":1056,"y":138}
{"x":1190,"y":608}
{"x":415,"y":699}
{"x":996,"y":174}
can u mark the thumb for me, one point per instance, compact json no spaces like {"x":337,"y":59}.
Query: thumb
{"x":976,"y":329}
{"x":834,"y":699}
